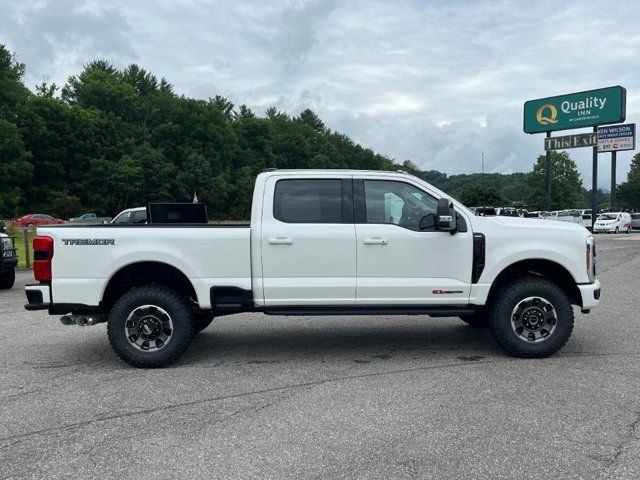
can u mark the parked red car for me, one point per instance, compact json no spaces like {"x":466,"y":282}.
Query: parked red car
{"x":35,"y":219}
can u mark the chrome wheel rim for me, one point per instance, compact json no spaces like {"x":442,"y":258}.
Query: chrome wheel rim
{"x":149,"y":328}
{"x":534,"y":319}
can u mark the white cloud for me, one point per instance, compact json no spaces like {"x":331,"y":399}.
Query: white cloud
{"x":435,"y":82}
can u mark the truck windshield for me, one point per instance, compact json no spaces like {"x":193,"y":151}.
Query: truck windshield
{"x":122,"y":218}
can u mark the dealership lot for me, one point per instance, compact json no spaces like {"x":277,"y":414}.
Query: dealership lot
{"x":328,"y":397}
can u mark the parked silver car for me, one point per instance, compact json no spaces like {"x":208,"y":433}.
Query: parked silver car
{"x":635,"y":221}
{"x":90,"y":218}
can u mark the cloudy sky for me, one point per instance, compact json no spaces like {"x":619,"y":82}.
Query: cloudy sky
{"x":431,"y":81}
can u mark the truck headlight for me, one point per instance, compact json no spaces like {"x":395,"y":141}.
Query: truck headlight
{"x":590,"y":257}
{"x":7,"y":247}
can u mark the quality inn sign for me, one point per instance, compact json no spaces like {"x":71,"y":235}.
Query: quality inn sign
{"x":575,"y":110}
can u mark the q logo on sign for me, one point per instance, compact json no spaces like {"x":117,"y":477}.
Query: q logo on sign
{"x":552,"y":114}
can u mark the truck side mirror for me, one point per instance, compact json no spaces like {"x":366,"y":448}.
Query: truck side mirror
{"x":445,"y":216}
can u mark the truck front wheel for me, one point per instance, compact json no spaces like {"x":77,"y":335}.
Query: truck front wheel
{"x":7,"y":279}
{"x":150,"y":326}
{"x":531,"y":317}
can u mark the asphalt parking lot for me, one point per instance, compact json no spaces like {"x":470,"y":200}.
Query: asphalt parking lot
{"x":333,"y":397}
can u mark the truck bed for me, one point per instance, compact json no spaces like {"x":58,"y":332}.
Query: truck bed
{"x":86,"y":257}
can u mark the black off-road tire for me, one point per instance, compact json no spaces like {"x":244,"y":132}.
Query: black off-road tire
{"x":509,"y":297}
{"x":7,"y":279}
{"x":480,"y":319}
{"x":175,"y":306}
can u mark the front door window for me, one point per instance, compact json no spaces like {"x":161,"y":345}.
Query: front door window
{"x":397,"y":203}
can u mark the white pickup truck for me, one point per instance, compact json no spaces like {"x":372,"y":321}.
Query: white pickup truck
{"x":320,"y":242}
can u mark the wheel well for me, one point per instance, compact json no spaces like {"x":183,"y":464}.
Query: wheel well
{"x":146,"y":273}
{"x":548,"y":269}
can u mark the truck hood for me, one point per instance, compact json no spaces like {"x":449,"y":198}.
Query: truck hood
{"x":534,"y":226}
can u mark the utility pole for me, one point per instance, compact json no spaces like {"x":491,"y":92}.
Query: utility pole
{"x":613,"y":181}
{"x":594,"y":183}
{"x":547,"y":178}
{"x":483,"y":190}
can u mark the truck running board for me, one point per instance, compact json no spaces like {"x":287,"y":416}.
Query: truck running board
{"x":440,"y":311}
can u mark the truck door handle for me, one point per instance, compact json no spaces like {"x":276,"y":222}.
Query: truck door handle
{"x":280,"y":241}
{"x":375,"y":241}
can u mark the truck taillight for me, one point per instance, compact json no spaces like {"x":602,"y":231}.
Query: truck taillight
{"x":42,"y":255}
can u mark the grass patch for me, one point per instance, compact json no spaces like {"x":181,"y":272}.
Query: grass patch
{"x":18,"y":234}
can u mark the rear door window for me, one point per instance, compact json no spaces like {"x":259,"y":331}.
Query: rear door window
{"x":308,"y":201}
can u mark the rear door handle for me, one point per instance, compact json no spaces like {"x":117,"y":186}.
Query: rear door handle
{"x":280,"y":241}
{"x":375,"y":241}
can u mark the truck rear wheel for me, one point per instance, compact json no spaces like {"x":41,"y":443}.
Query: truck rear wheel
{"x":531,"y":318}
{"x":7,"y":279}
{"x":150,"y":326}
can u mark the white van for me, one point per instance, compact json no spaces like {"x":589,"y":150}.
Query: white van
{"x":615,"y":222}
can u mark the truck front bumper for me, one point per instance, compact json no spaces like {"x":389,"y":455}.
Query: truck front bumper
{"x":604,"y":228}
{"x":590,"y":293}
{"x":8,"y":263}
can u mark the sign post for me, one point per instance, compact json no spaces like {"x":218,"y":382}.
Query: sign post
{"x":547,"y":178}
{"x":613,"y":139}
{"x":594,"y":184}
{"x":613,"y":180}
{"x":575,"y":110}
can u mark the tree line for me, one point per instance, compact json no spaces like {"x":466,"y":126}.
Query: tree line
{"x":113,"y":138}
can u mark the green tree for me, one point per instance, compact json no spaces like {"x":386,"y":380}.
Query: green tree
{"x":478,"y":195}
{"x":224,"y":105}
{"x":438,"y":179}
{"x":101,"y":86}
{"x":566,"y":184}
{"x":629,"y":191}
{"x":308,"y":117}
{"x":603,"y":200}
{"x":12,"y":90}
{"x":15,"y":170}
{"x":194,"y":176}
{"x":158,"y":182}
{"x":113,"y":185}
